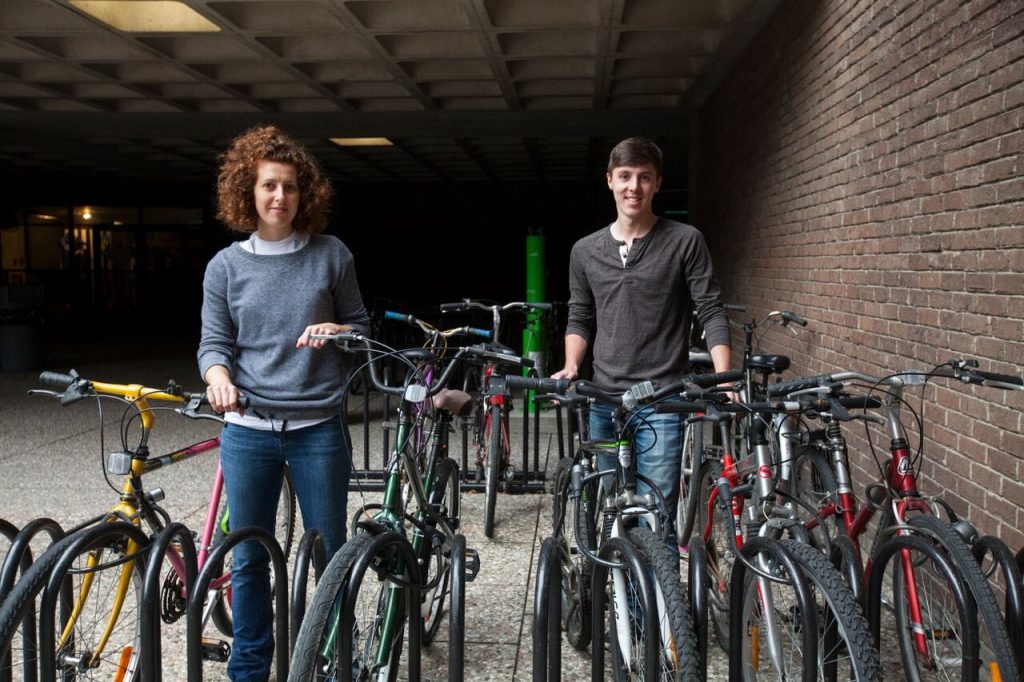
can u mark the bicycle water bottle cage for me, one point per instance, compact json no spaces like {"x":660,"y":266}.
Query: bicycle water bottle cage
{"x":768,"y":363}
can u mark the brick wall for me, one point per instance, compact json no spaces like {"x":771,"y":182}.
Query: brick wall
{"x":861,"y":164}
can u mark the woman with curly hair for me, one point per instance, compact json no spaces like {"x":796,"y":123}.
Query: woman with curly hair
{"x":262,"y":299}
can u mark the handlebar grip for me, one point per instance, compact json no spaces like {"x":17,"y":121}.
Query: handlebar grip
{"x":857,"y":402}
{"x":592,"y":391}
{"x":793,"y":317}
{"x":736,"y":307}
{"x":708,"y":380}
{"x":542,"y":385}
{"x":57,"y":379}
{"x":786,"y":387}
{"x":485,"y":333}
{"x":540,"y":306}
{"x":676,"y":407}
{"x":1003,"y":378}
{"x":450,"y":307}
{"x":392,"y":315}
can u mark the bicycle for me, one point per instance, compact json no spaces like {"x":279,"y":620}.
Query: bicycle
{"x":349,"y":630}
{"x":492,"y":433}
{"x":907,"y":511}
{"x":100,"y":634}
{"x":593,"y":507}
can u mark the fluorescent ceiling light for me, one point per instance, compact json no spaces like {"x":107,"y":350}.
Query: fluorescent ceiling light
{"x":147,"y":16}
{"x":362,"y":141}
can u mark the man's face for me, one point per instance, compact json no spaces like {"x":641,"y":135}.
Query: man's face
{"x":634,"y":188}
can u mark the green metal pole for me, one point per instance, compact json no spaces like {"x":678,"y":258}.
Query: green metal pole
{"x":534,"y":334}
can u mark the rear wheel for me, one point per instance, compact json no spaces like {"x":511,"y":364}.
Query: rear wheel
{"x":444,"y":500}
{"x":714,"y":529}
{"x":814,"y":483}
{"x":492,"y":464}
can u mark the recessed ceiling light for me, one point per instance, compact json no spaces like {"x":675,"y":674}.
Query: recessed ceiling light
{"x":362,"y":141}
{"x":147,"y":16}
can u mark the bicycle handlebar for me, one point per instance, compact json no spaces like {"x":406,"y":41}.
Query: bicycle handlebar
{"x":75,"y":388}
{"x":641,"y":393}
{"x":431,"y":330}
{"x":962,"y":370}
{"x":469,"y":304}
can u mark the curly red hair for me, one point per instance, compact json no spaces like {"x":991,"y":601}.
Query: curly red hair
{"x":236,"y":180}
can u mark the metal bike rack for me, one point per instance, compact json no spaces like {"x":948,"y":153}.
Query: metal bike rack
{"x":809,"y":635}
{"x":58,"y":586}
{"x":150,"y":654}
{"x":311,"y":550}
{"x":647,"y":601}
{"x":547,"y":614}
{"x":700,"y":583}
{"x":844,"y":554}
{"x":20,"y":556}
{"x":1003,"y":557}
{"x":888,"y":550}
{"x":457,"y":611}
{"x":194,"y":613}
{"x":411,"y":589}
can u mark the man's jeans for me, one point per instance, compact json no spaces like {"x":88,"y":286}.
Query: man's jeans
{"x":253,"y":461}
{"x":657,"y":444}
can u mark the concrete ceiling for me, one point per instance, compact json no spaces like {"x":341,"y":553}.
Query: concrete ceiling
{"x":468,"y":90}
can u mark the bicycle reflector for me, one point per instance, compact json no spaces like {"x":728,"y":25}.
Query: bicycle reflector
{"x":119,"y":463}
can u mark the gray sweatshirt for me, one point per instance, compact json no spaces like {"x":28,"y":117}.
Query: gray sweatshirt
{"x":254,"y":309}
{"x":636,"y":318}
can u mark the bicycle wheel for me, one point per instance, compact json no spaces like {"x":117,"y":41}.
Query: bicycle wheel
{"x":678,"y":650}
{"x":493,"y":461}
{"x":844,"y":645}
{"x":935,"y":620}
{"x":284,"y":531}
{"x":628,"y":637}
{"x":993,"y":639}
{"x":696,"y":438}
{"x":445,"y":501}
{"x":814,"y":482}
{"x":575,"y":568}
{"x":720,"y":555}
{"x":329,"y":634}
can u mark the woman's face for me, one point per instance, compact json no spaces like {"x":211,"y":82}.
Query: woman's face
{"x":277,"y":198}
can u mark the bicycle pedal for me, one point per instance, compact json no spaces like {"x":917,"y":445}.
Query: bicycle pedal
{"x":472,"y":564}
{"x":216,"y":650}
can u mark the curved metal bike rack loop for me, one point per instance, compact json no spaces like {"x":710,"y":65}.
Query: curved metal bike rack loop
{"x":56,"y":583}
{"x":457,"y":611}
{"x":916,"y":543}
{"x":1014,"y":612}
{"x":630,"y":557}
{"x":311,"y":550}
{"x":547,"y":607}
{"x":150,"y":646}
{"x":20,"y":555}
{"x":809,"y":632}
{"x":699,"y":582}
{"x":844,"y":554}
{"x":412,"y":596}
{"x":194,"y":612}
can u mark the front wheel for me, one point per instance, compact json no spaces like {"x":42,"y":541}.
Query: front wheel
{"x":495,"y":456}
{"x":444,"y":500}
{"x":366,"y":638}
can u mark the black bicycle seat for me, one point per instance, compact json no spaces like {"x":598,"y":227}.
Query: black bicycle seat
{"x":768,"y":363}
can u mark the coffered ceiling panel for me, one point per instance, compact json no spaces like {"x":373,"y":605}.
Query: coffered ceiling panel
{"x":467,"y":90}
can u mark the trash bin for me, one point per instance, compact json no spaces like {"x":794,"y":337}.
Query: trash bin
{"x":22,"y":343}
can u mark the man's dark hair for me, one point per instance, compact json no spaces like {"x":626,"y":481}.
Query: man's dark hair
{"x":635,"y":151}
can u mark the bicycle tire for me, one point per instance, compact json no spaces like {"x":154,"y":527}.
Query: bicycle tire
{"x":854,"y":645}
{"x":679,"y":656}
{"x":22,"y":599}
{"x":624,"y":588}
{"x":284,"y":531}
{"x":696,"y":437}
{"x":948,"y":621}
{"x":813,"y":481}
{"x":575,"y":568}
{"x":720,"y":555}
{"x":493,"y":464}
{"x":998,"y":646}
{"x":444,"y":498}
{"x":308,"y":662}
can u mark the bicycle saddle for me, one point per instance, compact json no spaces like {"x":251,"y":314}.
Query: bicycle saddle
{"x":769,"y":363}
{"x":458,"y":403}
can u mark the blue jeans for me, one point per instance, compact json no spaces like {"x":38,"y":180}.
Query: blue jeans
{"x":253,"y":462}
{"x":657,"y":444}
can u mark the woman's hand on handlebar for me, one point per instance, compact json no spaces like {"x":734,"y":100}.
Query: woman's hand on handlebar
{"x":324,"y":328}
{"x":221,"y":392}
